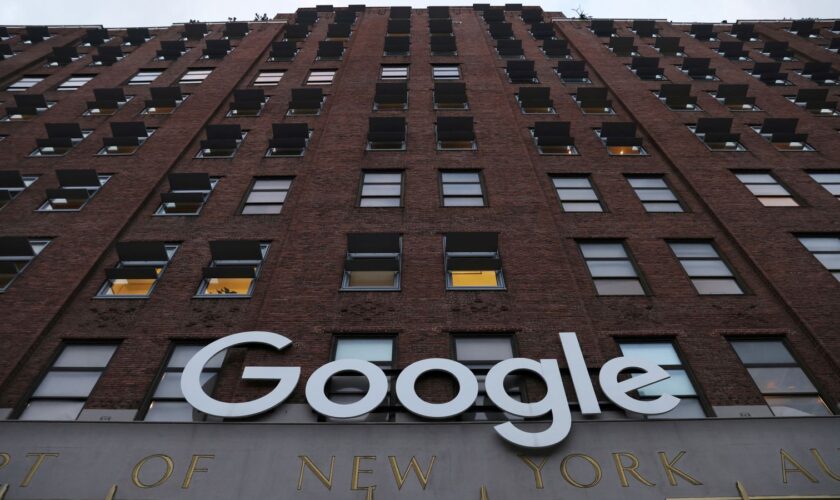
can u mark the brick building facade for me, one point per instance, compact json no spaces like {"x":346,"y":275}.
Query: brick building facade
{"x":738,"y":238}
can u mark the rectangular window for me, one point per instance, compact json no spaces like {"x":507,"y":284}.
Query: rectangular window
{"x":195,"y":76}
{"x":346,"y":389}
{"x":455,"y":133}
{"x":786,"y":388}
{"x":479,"y":354}
{"x":306,"y":102}
{"x":320,"y":77}
{"x":106,"y":102}
{"x":611,"y":268}
{"x":654,"y":193}
{"x":393,"y":72}
{"x":462,"y":188}
{"x":187,"y":194}
{"x":576,"y":193}
{"x":781,"y":133}
{"x":767,"y":189}
{"x":372,"y":262}
{"x":268,"y":78}
{"x":829,"y":180}
{"x":554,"y":138}
{"x":127,"y":138}
{"x":15,"y":254}
{"x":381,"y":188}
{"x":826,"y":249}
{"x":472,"y":261}
{"x":680,"y":384}
{"x":167,"y":402}
{"x":708,"y":272}
{"x":289,"y":139}
{"x":27,"y":107}
{"x":65,"y":388}
{"x":715,"y":133}
{"x":145,"y":76}
{"x":75,"y":189}
{"x":620,"y":139}
{"x":75,"y":81}
{"x":12,"y":184}
{"x":267,"y":195}
{"x":164,"y":101}
{"x":222,"y":141}
{"x":446,"y":72}
{"x":61,"y":138}
{"x":141,"y":264}
{"x":233,"y":269}
{"x":25,"y":83}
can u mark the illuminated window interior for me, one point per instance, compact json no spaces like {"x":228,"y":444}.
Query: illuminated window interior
{"x":140,"y":266}
{"x":234,"y":268}
{"x":767,"y":189}
{"x":472,"y":261}
{"x":372,"y":261}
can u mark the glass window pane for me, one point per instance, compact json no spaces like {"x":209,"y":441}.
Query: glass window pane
{"x":170,"y":411}
{"x":52,"y":410}
{"x":85,"y":356}
{"x":380,"y":202}
{"x":829,"y":260}
{"x":618,"y":287}
{"x":656,"y":195}
{"x":781,"y":380}
{"x":461,"y":189}
{"x":663,"y":207}
{"x":679,"y":385}
{"x":459,"y":176}
{"x":463,"y":202}
{"x":381,"y":190}
{"x":756,"y":178}
{"x":717,"y":286}
{"x":821,"y":243}
{"x":762,"y":351}
{"x":577,"y":194}
{"x":797,"y":406}
{"x":384,"y":178}
{"x":474,"y":279}
{"x":702,"y":267}
{"x":267,"y":197}
{"x":365,"y":349}
{"x":376,"y":279}
{"x":483,"y":348}
{"x":269,"y":184}
{"x":262,"y":209}
{"x":661,"y":353}
{"x":611,"y":268}
{"x":582,"y":207}
{"x":571,"y":182}
{"x":688,"y":408}
{"x":767,"y":190}
{"x":828,"y":177}
{"x":646,"y":182}
{"x":693,"y":250}
{"x":784,"y":201}
{"x":602,"y":250}
{"x":67,"y":384}
{"x":170,"y":384}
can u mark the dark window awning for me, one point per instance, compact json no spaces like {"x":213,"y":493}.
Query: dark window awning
{"x":400,"y":13}
{"x":677,"y":95}
{"x":620,"y":134}
{"x":248,"y":99}
{"x":27,"y":104}
{"x":64,"y":55}
{"x":732,"y":50}
{"x":556,"y":48}
{"x":11,"y":179}
{"x":164,"y":96}
{"x":472,"y":242}
{"x":782,"y":130}
{"x":189,"y":182}
{"x":513,"y":6}
{"x":142,"y":251}
{"x":697,"y":66}
{"x":306,"y":15}
{"x":68,"y":194}
{"x":372,"y":264}
{"x":455,"y":128}
{"x":296,"y":31}
{"x":716,"y":130}
{"x":442,"y":44}
{"x":108,"y":54}
{"x":77,"y":178}
{"x":553,"y":133}
{"x":602,"y":27}
{"x":345,"y":16}
{"x":109,"y":95}
{"x":509,"y":48}
{"x":15,"y":246}
{"x":593,"y":97}
{"x":820,"y":71}
{"x":132,"y":272}
{"x":248,"y":250}
{"x":744,"y":31}
{"x":391,"y":93}
{"x":438,"y":12}
{"x":284,"y":50}
{"x":622,"y":45}
{"x":339,"y":30}
{"x":450,"y":93}
{"x":440,"y":26}
{"x":236,"y":29}
{"x":222,"y":136}
{"x":373,"y":243}
{"x":229,"y":272}
{"x":217,"y":48}
{"x":702,"y":31}
{"x":815,"y":99}
{"x":306,"y":98}
{"x":397,"y":44}
{"x":289,"y":135}
{"x":500,"y":31}
{"x":171,"y":49}
{"x":6,"y":50}
{"x":95,"y":36}
{"x":330,"y":50}
{"x":535,"y":97}
{"x":473,"y":264}
{"x":37,"y":34}
{"x":572,"y":70}
{"x":399,"y":26}
{"x":521,"y":71}
{"x":493,"y":15}
{"x":386,"y":129}
{"x":734,"y":94}
{"x":63,"y":130}
{"x":542,"y":31}
{"x":532,"y":14}
{"x":182,"y":197}
{"x":645,"y":28}
{"x":136,"y":36}
{"x":647,"y":67}
{"x":129,"y":129}
{"x":195,"y":31}
{"x":668,"y":45}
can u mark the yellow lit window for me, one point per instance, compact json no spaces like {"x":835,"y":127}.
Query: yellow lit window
{"x":131,"y":286}
{"x":625,"y":150}
{"x":474,"y":278}
{"x":228,"y":286}
{"x":371,"y":278}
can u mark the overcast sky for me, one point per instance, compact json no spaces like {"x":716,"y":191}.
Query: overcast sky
{"x":125,"y":13}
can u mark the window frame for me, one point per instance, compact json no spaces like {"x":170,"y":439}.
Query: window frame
{"x":758,"y":197}
{"x":171,"y":249}
{"x":92,"y":191}
{"x":592,"y":187}
{"x":501,"y":284}
{"x":390,"y":406}
{"x":309,"y":77}
{"x":148,"y":71}
{"x":75,"y":79}
{"x":14,"y":192}
{"x":737,"y":148}
{"x":182,"y":80}
{"x":161,"y":210}
{"x":38,"y":245}
{"x":444,"y":67}
{"x":13,"y":87}
{"x":75,"y":141}
{"x":397,"y":283}
{"x":250,"y":190}
{"x":265,"y":246}
{"x":711,"y":243}
{"x":361,"y":195}
{"x":203,"y":156}
{"x":475,"y":366}
{"x":639,"y":276}
{"x":273,"y":81}
{"x":668,"y":187}
{"x":828,"y":236}
{"x":384,"y":67}
{"x":484,"y":201}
